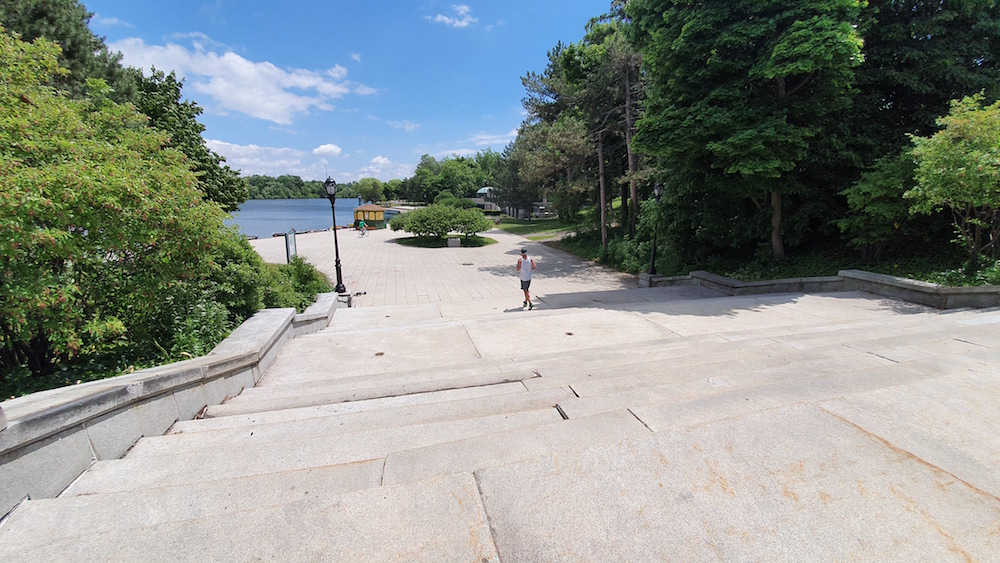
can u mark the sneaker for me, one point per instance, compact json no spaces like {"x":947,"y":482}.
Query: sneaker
{"x":531,"y":306}
{"x":525,"y":304}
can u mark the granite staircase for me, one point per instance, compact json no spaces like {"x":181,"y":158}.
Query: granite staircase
{"x":789,"y":427}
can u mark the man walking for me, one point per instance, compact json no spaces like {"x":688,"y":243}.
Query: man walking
{"x":524,"y":267}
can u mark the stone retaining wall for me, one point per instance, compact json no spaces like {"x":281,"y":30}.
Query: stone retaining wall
{"x":930,"y":294}
{"x":48,"y":439}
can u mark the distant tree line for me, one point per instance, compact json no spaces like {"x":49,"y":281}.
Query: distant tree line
{"x":283,"y":187}
{"x":459,"y":176}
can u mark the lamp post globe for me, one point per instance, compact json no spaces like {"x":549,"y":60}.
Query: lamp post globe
{"x":331,"y":193}
{"x":657,"y":191}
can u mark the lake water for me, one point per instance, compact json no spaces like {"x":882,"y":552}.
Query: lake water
{"x":262,"y":217}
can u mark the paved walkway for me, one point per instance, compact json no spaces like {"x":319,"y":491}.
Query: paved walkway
{"x":392,"y":274}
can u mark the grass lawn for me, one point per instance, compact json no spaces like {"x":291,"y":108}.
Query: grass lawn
{"x":534,"y":229}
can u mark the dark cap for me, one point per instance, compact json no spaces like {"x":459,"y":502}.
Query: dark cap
{"x":524,"y":251}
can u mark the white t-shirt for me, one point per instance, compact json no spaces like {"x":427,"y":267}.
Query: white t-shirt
{"x":526,"y":265}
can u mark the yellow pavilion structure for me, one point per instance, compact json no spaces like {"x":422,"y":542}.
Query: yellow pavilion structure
{"x":373,"y":216}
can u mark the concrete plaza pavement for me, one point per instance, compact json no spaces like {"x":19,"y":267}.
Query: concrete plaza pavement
{"x":392,"y":274}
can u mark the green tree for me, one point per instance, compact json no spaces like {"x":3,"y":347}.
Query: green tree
{"x":159,"y":98}
{"x":369,"y":189}
{"x":458,"y":175}
{"x":104,"y":237}
{"x":393,"y":188}
{"x":738,"y":93}
{"x":958,"y":168}
{"x":919,"y":56}
{"x":878,"y":214}
{"x":510,"y":190}
{"x":603,"y":80}
{"x":83,"y":54}
{"x":551,"y":158}
{"x":488,"y":164}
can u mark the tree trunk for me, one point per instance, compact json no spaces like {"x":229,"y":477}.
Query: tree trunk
{"x":777,"y":246}
{"x":604,"y":221}
{"x":624,"y":208}
{"x":633,"y":187}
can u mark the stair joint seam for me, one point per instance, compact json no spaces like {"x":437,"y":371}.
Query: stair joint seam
{"x":640,"y":420}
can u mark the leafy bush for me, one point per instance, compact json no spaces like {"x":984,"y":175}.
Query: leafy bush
{"x":431,"y":221}
{"x":293,"y":285}
{"x":471,"y":221}
{"x":198,"y":328}
{"x":237,"y":276}
{"x":438,"y":220}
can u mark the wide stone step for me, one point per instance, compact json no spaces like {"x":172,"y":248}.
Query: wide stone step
{"x":745,"y":355}
{"x":748,"y":372}
{"x":884,"y":325}
{"x":336,"y":384}
{"x":505,"y":447}
{"x":303,"y":413}
{"x":439,"y":519}
{"x":215,"y":463}
{"x":717,"y":348}
{"x":39,"y":522}
{"x":699,"y":401}
{"x":793,"y":484}
{"x":707,"y":360}
{"x":252,"y":436}
{"x":354,"y":393}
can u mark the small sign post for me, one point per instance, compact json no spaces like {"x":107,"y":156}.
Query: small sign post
{"x":290,"y":245}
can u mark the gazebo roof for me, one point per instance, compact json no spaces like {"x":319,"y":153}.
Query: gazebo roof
{"x":369,"y":207}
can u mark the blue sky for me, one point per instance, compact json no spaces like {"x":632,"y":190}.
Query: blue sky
{"x":349,"y":89}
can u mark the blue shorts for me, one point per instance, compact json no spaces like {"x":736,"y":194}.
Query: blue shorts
{"x":525,"y":284}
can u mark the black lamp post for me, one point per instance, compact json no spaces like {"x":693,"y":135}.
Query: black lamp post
{"x":331,"y":194}
{"x":658,"y":190}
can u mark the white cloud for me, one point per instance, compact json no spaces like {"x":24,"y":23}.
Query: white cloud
{"x":276,"y":161}
{"x":464,"y":18}
{"x":270,"y":161}
{"x":405,"y":124}
{"x":356,"y":57}
{"x":100,"y":20}
{"x":327,"y":150}
{"x":384,"y":169}
{"x":235,"y":84}
{"x":499,"y":23}
{"x":337,"y":72}
{"x":483,"y":139}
